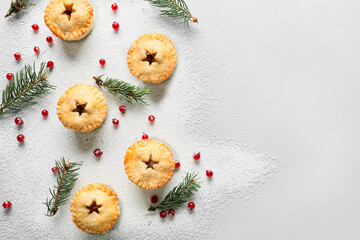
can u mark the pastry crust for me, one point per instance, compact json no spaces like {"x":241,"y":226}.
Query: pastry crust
{"x":152,"y":58}
{"x":69,"y":19}
{"x":95,"y":208}
{"x":149,"y":164}
{"x":82,"y":108}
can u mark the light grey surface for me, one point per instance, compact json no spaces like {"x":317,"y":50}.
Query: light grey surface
{"x":285,"y":76}
{"x":300,"y":57}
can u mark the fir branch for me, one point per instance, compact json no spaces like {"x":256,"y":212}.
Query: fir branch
{"x":17,"y":5}
{"x":179,"y":194}
{"x":24,"y":88}
{"x":175,"y":9}
{"x":124,"y":90}
{"x":66,"y":179}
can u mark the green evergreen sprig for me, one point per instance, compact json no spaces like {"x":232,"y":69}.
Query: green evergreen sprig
{"x":17,"y":5}
{"x":124,"y":90}
{"x":66,"y":177}
{"x":175,"y":9}
{"x":27,"y":85}
{"x":179,"y":194}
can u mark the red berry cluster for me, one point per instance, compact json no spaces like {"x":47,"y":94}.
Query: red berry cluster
{"x":170,"y":213}
{"x":115,"y":25}
{"x":18,"y":56}
{"x":18,"y":121}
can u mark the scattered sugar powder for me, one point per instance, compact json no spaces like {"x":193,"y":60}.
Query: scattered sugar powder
{"x":184,"y":120}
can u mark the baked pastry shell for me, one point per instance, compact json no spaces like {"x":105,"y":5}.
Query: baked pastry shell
{"x":94,"y":222}
{"x":163,"y":54}
{"x":73,"y":28}
{"x":80,"y":95}
{"x":136,"y":164}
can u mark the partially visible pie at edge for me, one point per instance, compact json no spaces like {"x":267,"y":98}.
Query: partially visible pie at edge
{"x":69,"y":19}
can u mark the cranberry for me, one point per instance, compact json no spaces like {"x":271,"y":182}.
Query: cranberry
{"x":209,"y":173}
{"x":116,"y":26}
{"x":163,"y":214}
{"x":196,"y":156}
{"x":7,"y":204}
{"x":151,"y":118}
{"x":9,"y":76}
{"x":171,"y":212}
{"x":37,"y":50}
{"x":54,"y":169}
{"x":45,"y":113}
{"x":191,"y":205}
{"x":18,"y":121}
{"x":115,"y":121}
{"x":49,"y":39}
{"x":145,"y":136}
{"x":102,"y":62}
{"x":17,"y":56}
{"x":114,"y":6}
{"x":154,"y":199}
{"x":97,"y":152}
{"x":122,"y":109}
{"x":50,"y":64}
{"x":177,"y":164}
{"x":35,"y":27}
{"x":20,"y":138}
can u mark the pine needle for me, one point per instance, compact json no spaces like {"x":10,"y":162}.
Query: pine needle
{"x":17,"y":5}
{"x":24,"y":88}
{"x":124,"y":90}
{"x":179,"y":194}
{"x":66,"y":178}
{"x":176,"y":9}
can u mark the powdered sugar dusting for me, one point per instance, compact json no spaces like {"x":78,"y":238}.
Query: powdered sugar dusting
{"x":182,"y":105}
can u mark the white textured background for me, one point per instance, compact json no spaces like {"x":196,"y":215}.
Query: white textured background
{"x":262,"y":88}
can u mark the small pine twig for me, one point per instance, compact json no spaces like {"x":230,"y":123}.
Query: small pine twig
{"x":175,"y":9}
{"x":124,"y":90}
{"x":17,"y":5}
{"x":24,"y":88}
{"x":179,"y":194}
{"x":66,"y":179}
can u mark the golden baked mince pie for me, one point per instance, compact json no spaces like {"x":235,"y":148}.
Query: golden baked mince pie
{"x":149,"y":164}
{"x":82,"y":108}
{"x":69,"y":19}
{"x":152,"y":58}
{"x":95,"y":208}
